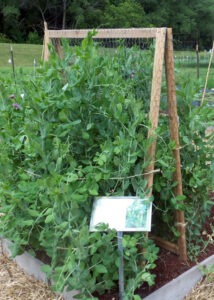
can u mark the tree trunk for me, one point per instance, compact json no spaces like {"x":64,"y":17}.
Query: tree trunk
{"x":64,"y":14}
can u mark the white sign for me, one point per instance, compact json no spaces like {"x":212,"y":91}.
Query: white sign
{"x":122,"y":213}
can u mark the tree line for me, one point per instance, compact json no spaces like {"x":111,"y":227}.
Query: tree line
{"x":191,"y":20}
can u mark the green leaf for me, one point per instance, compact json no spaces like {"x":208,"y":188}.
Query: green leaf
{"x":67,"y":233}
{"x":27,"y":222}
{"x":97,"y":176}
{"x":93,"y":192}
{"x":48,"y":211}
{"x":85,"y":136}
{"x":89,"y":126}
{"x":101,"y":269}
{"x":124,"y":242}
{"x":181,"y":197}
{"x":185,"y":139}
{"x":47,"y":269}
{"x":162,"y":163}
{"x":33,"y":212}
{"x":49,"y":219}
{"x":147,"y":277}
{"x":71,"y":177}
{"x":75,"y":122}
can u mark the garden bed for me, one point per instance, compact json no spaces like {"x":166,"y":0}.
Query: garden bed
{"x":70,"y":135}
{"x":169,"y":267}
{"x":171,"y":274}
{"x":17,"y":284}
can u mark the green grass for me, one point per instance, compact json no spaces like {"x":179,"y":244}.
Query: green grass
{"x":191,"y":72}
{"x":24,"y":55}
{"x":186,"y":64}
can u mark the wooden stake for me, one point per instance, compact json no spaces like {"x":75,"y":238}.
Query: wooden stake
{"x":12,"y":62}
{"x":46,"y":42}
{"x":197,"y":60}
{"x":166,"y":244}
{"x":155,"y":101}
{"x":173,"y":124}
{"x":58,"y":48}
{"x":208,"y":72}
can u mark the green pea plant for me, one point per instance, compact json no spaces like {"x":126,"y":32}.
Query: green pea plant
{"x":75,"y":131}
{"x":197,"y":168}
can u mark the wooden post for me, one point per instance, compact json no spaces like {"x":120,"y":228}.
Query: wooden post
{"x":58,"y":48}
{"x":46,"y":42}
{"x":208,"y":72}
{"x":173,"y":124}
{"x":155,"y":101}
{"x":197,"y":60}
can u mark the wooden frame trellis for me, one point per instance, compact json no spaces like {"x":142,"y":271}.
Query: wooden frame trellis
{"x":163,"y":51}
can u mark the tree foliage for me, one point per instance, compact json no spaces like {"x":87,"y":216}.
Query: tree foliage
{"x":125,"y":14}
{"x":193,"y":18}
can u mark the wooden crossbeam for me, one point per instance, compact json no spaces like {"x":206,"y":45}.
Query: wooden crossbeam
{"x":106,"y":33}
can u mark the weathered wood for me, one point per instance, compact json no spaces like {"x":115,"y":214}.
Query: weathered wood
{"x":166,"y":244}
{"x":58,"y":48}
{"x":155,"y":101}
{"x":208,"y":72}
{"x":46,"y":42}
{"x":173,"y":126}
{"x":106,"y":33}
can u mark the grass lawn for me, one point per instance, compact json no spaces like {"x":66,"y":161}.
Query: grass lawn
{"x":24,"y":55}
{"x":192,"y":72}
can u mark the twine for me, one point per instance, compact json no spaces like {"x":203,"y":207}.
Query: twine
{"x":181,"y":224}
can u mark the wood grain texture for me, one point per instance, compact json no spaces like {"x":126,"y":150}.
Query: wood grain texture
{"x":105,"y":33}
{"x":174,"y":135}
{"x":46,"y":43}
{"x":166,"y":244}
{"x":155,"y":101}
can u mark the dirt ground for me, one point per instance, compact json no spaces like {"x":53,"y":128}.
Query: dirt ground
{"x":16,"y":285}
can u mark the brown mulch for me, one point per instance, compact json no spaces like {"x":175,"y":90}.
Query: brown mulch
{"x":16,"y":285}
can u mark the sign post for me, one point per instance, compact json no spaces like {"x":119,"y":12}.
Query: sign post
{"x":123,"y":214}
{"x":121,"y":264}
